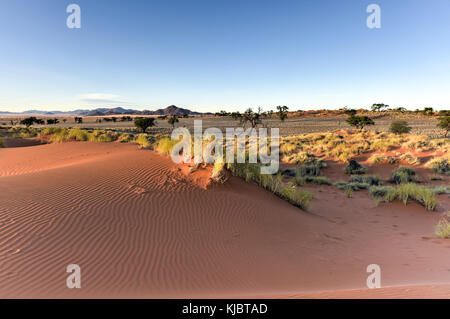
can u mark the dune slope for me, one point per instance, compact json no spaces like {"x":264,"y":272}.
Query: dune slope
{"x":138,"y":229}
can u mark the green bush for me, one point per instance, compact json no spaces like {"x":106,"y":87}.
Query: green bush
{"x":403,"y":175}
{"x":371,"y":180}
{"x":354,"y":167}
{"x":440,"y":165}
{"x":400,"y":127}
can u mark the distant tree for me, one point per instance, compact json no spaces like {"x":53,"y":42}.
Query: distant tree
{"x":349,"y":111}
{"x":144,"y":123}
{"x":52,"y":121}
{"x":40,"y":121}
{"x":126,"y":119}
{"x":162,"y":117}
{"x":400,"y":127}
{"x":172,"y":120}
{"x":428,"y":111}
{"x":78,"y":120}
{"x":64,"y":120}
{"x":444,"y":123}
{"x":236,"y":115}
{"x":251,"y":117}
{"x":282,"y":112}
{"x":360,"y":121}
{"x":28,"y":121}
{"x":114,"y":119}
{"x":400,"y":109}
{"x":222,"y":113}
{"x":378,"y":107}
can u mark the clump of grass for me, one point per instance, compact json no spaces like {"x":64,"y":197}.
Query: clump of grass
{"x":371,"y":180}
{"x":353,"y":186}
{"x":404,"y":193}
{"x":143,"y":141}
{"x":354,"y":167}
{"x":403,"y":175}
{"x":125,"y":138}
{"x":165,"y":146}
{"x":438,"y":190}
{"x":2,"y":144}
{"x":318,"y":180}
{"x":410,"y":158}
{"x":289,"y":192}
{"x":440,"y":165}
{"x":442,"y":229}
{"x":349,"y":192}
{"x":217,"y":173}
{"x":295,"y":195}
{"x":77,"y":134}
{"x":377,"y":159}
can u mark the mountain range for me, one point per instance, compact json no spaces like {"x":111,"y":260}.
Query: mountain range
{"x":170,"y":110}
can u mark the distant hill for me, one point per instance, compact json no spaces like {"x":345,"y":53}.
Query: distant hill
{"x":170,"y":110}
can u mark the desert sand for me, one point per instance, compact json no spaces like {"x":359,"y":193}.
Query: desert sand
{"x":140,"y":228}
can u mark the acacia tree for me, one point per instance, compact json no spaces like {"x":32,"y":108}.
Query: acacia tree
{"x":251,"y":117}
{"x":29,"y":121}
{"x":377,"y":107}
{"x":360,"y":121}
{"x":282,"y":112}
{"x":444,"y":123}
{"x":144,"y":123}
{"x":172,"y":120}
{"x":400,"y":127}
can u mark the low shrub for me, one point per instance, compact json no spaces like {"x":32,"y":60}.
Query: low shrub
{"x":403,"y":175}
{"x":354,"y":167}
{"x":371,"y":180}
{"x":353,"y":186}
{"x":440,"y":165}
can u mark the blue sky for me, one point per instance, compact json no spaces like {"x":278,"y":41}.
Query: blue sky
{"x":216,"y":54}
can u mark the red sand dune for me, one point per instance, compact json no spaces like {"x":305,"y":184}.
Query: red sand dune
{"x":138,"y":228}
